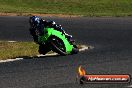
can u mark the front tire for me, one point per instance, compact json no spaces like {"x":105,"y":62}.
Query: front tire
{"x":58,"y":46}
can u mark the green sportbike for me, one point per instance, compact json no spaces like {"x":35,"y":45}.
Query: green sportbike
{"x":57,"y":42}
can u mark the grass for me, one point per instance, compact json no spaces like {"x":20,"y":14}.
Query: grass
{"x":10,"y":50}
{"x":70,"y":7}
{"x":17,"y":49}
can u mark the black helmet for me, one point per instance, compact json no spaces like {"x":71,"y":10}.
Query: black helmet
{"x":34,"y":21}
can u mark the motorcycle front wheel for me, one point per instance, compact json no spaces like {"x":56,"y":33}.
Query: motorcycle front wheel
{"x":58,"y":46}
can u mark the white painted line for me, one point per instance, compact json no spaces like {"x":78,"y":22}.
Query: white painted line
{"x":10,"y":60}
{"x":130,"y":86}
{"x":84,"y":47}
{"x":11,"y":41}
{"x":52,"y":54}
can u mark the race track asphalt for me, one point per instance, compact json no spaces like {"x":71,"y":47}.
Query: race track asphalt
{"x":112,"y":53}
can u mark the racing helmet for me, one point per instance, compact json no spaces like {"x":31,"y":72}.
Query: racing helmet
{"x":34,"y":21}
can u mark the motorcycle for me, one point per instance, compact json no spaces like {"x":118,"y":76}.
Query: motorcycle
{"x":57,"y":42}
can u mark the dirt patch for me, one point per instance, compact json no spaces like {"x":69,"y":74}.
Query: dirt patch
{"x":37,"y":14}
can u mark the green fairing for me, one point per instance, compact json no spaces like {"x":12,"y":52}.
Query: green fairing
{"x":49,"y":32}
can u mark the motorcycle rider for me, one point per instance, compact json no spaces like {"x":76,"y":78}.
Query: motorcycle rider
{"x":37,"y":26}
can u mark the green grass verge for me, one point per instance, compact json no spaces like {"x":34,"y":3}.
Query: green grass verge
{"x":17,"y":49}
{"x":71,"y":7}
{"x":11,"y":50}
